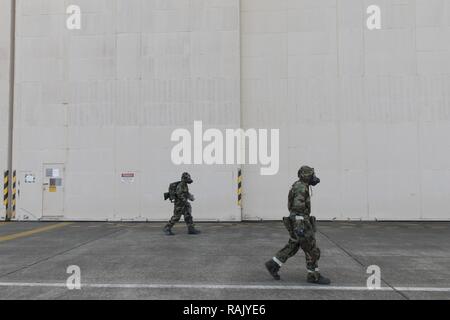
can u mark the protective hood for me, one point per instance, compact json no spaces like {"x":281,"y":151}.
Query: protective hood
{"x":307,"y":175}
{"x":186,"y":177}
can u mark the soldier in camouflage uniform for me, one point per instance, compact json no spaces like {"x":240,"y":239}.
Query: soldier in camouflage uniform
{"x":182,"y":207}
{"x":302,"y":227}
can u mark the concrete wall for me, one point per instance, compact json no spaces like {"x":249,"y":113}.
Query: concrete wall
{"x":370,"y":110}
{"x":5,"y":24}
{"x":105,"y":99}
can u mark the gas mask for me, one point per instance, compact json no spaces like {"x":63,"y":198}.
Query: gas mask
{"x":307,"y":175}
{"x":186,"y":177}
{"x":314,"y":180}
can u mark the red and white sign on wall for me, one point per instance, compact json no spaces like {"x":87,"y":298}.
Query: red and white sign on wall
{"x":128,"y":177}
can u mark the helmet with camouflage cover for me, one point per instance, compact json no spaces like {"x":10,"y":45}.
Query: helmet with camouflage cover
{"x":186,"y":177}
{"x":307,"y":175}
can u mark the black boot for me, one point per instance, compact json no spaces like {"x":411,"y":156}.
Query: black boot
{"x":192,"y":230}
{"x":317,"y":278}
{"x":273,"y":269}
{"x":168,"y":231}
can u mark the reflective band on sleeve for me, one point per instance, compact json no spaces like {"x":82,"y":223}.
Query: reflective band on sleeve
{"x":277,"y":261}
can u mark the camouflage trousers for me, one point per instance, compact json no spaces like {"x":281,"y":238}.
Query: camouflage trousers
{"x":182,"y":210}
{"x":307,"y":242}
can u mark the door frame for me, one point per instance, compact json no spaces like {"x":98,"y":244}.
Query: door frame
{"x":44,"y":176}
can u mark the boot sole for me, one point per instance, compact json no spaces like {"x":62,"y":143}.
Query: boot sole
{"x":276,"y":277}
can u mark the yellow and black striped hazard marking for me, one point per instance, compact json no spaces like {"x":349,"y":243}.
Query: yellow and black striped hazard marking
{"x":14,"y":190}
{"x":240,"y":188}
{"x":5,"y":189}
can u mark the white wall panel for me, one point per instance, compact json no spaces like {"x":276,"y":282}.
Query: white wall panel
{"x":370,"y":110}
{"x":4,"y":90}
{"x":367,"y":109}
{"x":105,"y":99}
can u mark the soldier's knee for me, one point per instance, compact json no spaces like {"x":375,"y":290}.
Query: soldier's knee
{"x":176,"y":217}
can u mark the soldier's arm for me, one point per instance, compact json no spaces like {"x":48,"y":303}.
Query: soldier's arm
{"x":308,"y":206}
{"x":302,"y":201}
{"x":190,"y":196}
{"x":307,"y":202}
{"x":290,"y":200}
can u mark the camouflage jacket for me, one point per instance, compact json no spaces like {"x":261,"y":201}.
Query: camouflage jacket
{"x":182,"y":194}
{"x":299,"y":199}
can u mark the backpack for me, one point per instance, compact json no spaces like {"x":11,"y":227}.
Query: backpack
{"x":171,"y":195}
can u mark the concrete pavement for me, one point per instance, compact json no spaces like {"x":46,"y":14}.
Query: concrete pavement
{"x":136,"y":261}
